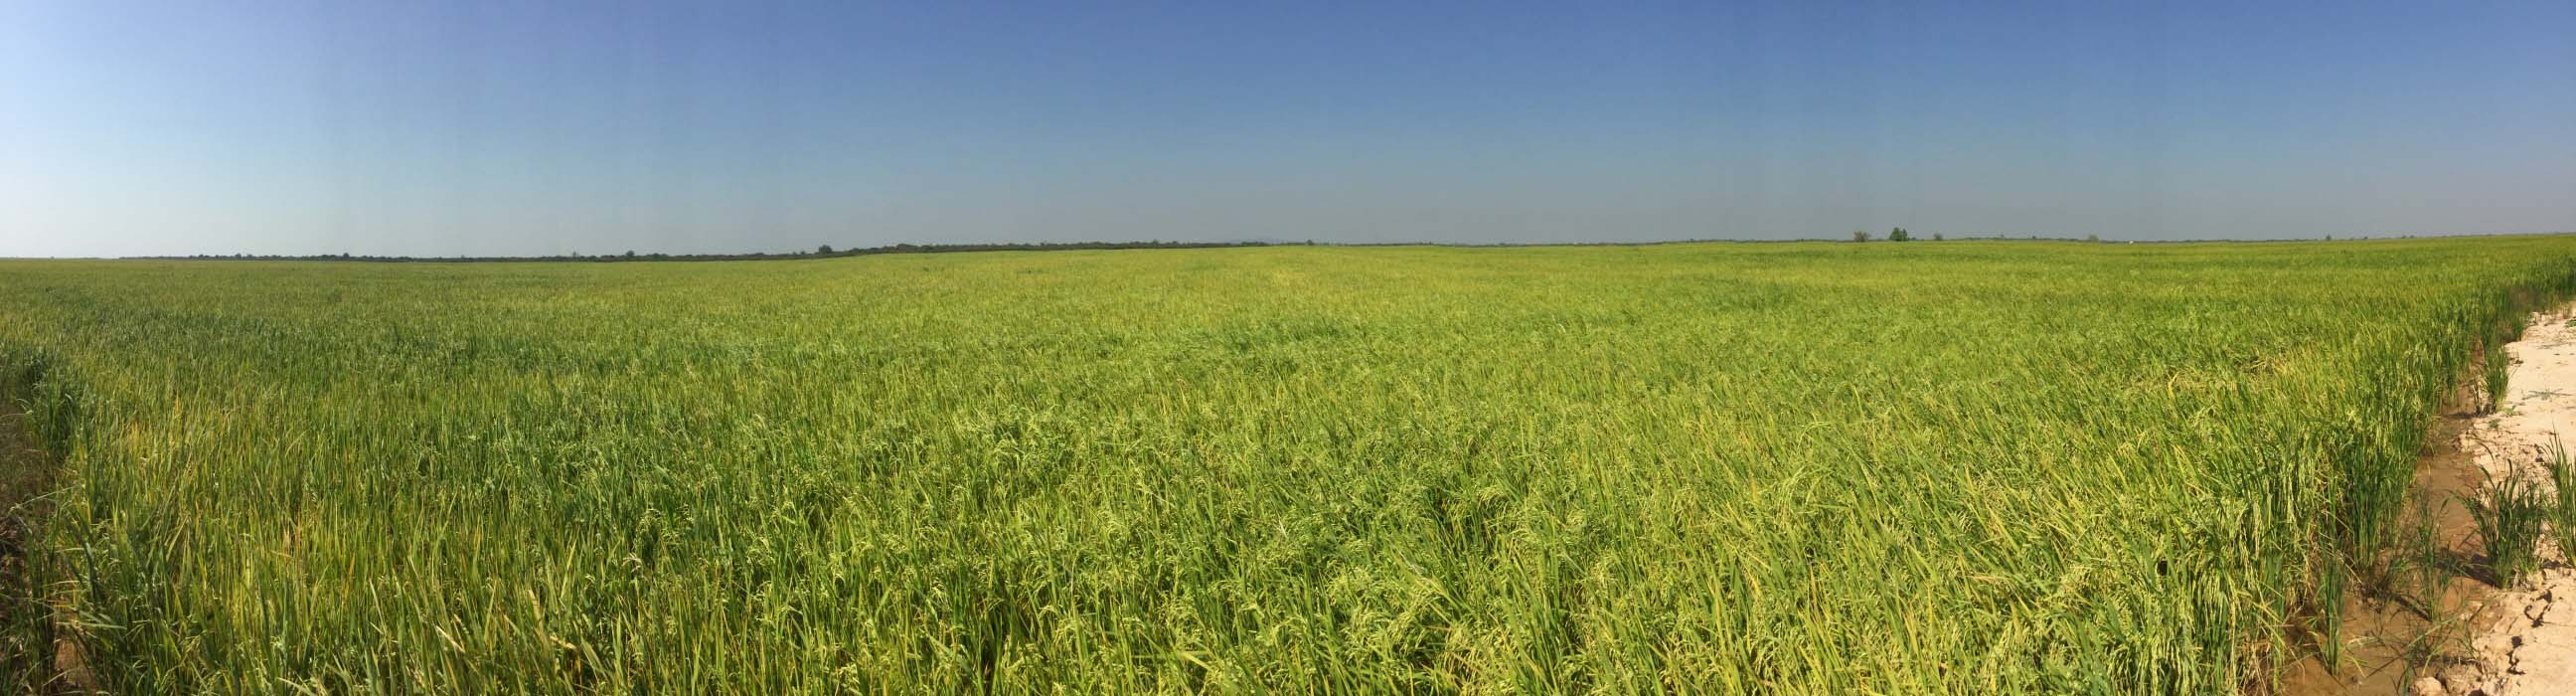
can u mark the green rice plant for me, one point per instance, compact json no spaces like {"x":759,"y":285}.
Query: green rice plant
{"x":2328,"y":630}
{"x":2056,"y":468}
{"x":2496,"y":368}
{"x":2510,"y":511}
{"x":2562,"y":511}
{"x":2420,"y":569}
{"x":2417,"y":577}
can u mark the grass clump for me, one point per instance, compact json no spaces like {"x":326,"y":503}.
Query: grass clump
{"x":2420,"y":570}
{"x":2510,"y":511}
{"x":2495,"y":369}
{"x":2562,"y":510}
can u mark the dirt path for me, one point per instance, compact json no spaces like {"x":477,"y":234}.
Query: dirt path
{"x":2525,"y":643}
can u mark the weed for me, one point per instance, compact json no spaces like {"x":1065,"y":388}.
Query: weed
{"x":2422,"y":568}
{"x":2510,"y":511}
{"x":2562,"y":511}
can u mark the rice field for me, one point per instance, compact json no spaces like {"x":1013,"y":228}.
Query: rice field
{"x":1811,"y":468}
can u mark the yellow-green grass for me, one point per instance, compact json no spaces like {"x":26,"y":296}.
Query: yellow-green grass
{"x":1952,"y":467}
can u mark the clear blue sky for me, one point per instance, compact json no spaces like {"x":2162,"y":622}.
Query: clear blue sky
{"x":436,"y":128}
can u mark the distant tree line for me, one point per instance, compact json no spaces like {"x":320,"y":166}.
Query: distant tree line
{"x":821,"y":252}
{"x":827,"y":251}
{"x":1894,"y":235}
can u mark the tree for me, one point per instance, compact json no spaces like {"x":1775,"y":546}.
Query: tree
{"x":2092,"y":238}
{"x":1936,"y":236}
{"x":1899,"y":235}
{"x":1860,"y":236}
{"x":824,"y":249}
